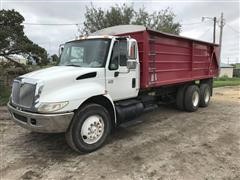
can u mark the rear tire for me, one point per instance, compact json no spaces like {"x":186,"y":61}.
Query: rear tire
{"x":192,"y":98}
{"x":89,"y":129}
{"x":205,"y":94}
{"x":180,"y":97}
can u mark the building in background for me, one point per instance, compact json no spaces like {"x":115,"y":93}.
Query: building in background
{"x":226,"y":70}
{"x":23,"y":59}
{"x":236,"y":70}
{"x":18,"y":58}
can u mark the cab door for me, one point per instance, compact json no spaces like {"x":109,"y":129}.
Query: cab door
{"x":121,"y":82}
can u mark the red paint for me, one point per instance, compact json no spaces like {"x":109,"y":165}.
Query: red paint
{"x":169,"y":59}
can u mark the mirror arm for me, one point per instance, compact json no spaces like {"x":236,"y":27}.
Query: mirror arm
{"x":60,"y":49}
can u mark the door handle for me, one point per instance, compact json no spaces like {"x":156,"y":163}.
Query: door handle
{"x":116,"y":73}
{"x":110,"y":81}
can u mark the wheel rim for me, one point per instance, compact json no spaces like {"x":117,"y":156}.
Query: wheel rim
{"x":92,"y":129}
{"x":195,"y":98}
{"x":207,"y":96}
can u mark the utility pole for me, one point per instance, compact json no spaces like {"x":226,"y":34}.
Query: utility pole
{"x":222,"y":23}
{"x":214,"y":19}
{"x":214,"y":29}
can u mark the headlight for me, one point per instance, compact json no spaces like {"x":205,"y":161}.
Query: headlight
{"x":51,"y":107}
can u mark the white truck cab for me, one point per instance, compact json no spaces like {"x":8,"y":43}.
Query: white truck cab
{"x":78,"y":95}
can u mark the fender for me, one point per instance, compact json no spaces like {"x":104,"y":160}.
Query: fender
{"x":99,"y":99}
{"x":113,"y":106}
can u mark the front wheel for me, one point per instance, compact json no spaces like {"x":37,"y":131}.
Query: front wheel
{"x":89,"y":129}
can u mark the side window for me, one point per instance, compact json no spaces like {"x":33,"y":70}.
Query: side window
{"x":114,"y":57}
{"x":123,"y":52}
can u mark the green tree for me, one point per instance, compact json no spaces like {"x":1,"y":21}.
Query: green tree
{"x":55,"y":58}
{"x":97,"y":18}
{"x":14,"y":41}
{"x":162,"y":20}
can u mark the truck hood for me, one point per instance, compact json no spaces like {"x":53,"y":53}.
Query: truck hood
{"x":58,"y":82}
{"x":58,"y":73}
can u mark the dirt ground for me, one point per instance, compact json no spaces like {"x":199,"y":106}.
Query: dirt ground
{"x":164,"y":144}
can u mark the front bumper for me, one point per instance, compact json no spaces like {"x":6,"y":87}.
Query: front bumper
{"x":45,"y":123}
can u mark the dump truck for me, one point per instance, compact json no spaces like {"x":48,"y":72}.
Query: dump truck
{"x":110,"y":77}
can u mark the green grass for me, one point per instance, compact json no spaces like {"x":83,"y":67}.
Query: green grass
{"x":225,"y":81}
{"x":4,"y":95}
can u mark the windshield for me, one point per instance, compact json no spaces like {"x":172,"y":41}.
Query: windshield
{"x":85,"y":53}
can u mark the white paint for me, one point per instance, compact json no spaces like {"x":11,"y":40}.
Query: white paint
{"x":60,"y":84}
{"x":120,"y":87}
{"x":226,"y":72}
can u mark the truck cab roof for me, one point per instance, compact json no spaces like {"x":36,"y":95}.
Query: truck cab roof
{"x":95,"y":37}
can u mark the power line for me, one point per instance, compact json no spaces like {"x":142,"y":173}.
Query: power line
{"x":72,"y":24}
{"x":52,"y":24}
{"x":214,"y":19}
{"x":191,"y":23}
{"x":205,"y":32}
{"x":233,"y":29}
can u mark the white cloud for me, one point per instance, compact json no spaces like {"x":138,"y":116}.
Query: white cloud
{"x":187,"y":12}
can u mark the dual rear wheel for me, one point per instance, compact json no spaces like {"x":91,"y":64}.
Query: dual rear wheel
{"x":190,"y":97}
{"x":205,"y":94}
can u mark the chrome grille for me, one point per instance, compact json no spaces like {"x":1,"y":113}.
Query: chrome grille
{"x":23,"y":94}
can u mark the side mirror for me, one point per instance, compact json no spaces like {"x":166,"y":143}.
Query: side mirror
{"x":61,"y":47}
{"x":131,"y":64}
{"x":132,"y":54}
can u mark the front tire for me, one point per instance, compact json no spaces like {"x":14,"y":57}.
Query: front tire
{"x":89,"y":129}
{"x":192,"y":98}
